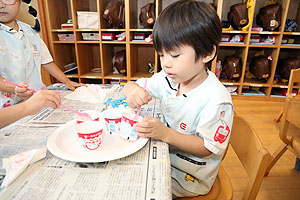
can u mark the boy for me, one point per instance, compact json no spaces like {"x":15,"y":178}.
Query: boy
{"x":196,"y":106}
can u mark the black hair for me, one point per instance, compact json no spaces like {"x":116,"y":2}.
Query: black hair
{"x":188,"y":22}
{"x":33,"y":12}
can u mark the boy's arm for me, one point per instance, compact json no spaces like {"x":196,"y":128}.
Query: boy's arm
{"x":52,"y":69}
{"x":154,"y":128}
{"x":187,"y":143}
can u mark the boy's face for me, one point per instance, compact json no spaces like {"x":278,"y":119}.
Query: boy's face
{"x":8,"y":13}
{"x":181,"y":67}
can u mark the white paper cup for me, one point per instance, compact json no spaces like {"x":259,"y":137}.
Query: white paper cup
{"x":90,"y":134}
{"x":94,"y":115}
{"x":127,"y":128}
{"x":113,"y":117}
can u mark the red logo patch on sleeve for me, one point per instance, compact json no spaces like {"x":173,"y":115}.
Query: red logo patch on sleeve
{"x":221,"y":134}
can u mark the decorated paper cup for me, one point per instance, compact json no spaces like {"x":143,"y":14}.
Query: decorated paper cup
{"x":90,"y":134}
{"x":94,"y":115}
{"x":113,"y":117}
{"x":127,"y":128}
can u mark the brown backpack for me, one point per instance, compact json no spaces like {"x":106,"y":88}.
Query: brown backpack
{"x":233,"y":67}
{"x":238,"y":15}
{"x":114,"y":13}
{"x":147,"y":15}
{"x":260,"y":67}
{"x":269,"y":17}
{"x":285,"y":66}
{"x":119,"y":62}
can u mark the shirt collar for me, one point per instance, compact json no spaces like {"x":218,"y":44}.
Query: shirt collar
{"x":11,"y":30}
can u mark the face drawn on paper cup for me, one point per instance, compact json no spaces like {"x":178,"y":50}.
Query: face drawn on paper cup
{"x":90,"y":134}
{"x":94,"y":115}
{"x":113,"y":117}
{"x":127,"y":128}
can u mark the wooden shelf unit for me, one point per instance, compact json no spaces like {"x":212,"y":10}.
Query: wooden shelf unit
{"x":90,"y":54}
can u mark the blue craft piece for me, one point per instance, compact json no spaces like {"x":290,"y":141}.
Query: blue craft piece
{"x":117,"y":102}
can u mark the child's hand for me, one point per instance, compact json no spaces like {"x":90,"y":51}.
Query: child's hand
{"x":42,"y":99}
{"x":135,"y":95}
{"x":23,"y":93}
{"x":152,"y":127}
{"x":73,"y":85}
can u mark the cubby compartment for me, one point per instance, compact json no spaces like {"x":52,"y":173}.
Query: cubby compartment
{"x":249,"y":90}
{"x":141,"y":57}
{"x":88,"y":61}
{"x":135,"y":11}
{"x":103,"y":22}
{"x":64,"y":55}
{"x":293,"y":14}
{"x":64,"y":10}
{"x":85,"y":14}
{"x":226,"y":52}
{"x":287,"y":57}
{"x":109,"y":51}
{"x":268,"y":54}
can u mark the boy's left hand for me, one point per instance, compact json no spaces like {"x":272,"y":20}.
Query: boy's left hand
{"x":151,"y":127}
{"x":73,"y":85}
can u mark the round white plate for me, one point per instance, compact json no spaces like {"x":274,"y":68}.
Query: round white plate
{"x":63,"y":143}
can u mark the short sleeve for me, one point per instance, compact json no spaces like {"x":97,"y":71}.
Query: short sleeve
{"x":46,"y":56}
{"x":215,"y":127}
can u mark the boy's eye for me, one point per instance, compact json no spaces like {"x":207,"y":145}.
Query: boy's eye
{"x":160,"y":55}
{"x":175,"y":56}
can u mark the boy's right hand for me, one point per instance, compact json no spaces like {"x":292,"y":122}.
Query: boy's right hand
{"x":23,"y":93}
{"x":42,"y":99}
{"x":135,"y":95}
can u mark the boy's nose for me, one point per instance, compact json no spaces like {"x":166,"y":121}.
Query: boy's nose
{"x":165,"y":62}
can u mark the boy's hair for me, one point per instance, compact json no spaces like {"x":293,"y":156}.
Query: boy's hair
{"x":187,"y":22}
{"x":33,"y":12}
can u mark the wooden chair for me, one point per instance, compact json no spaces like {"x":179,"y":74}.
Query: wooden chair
{"x":254,"y":158}
{"x":294,"y":79}
{"x":291,"y":115}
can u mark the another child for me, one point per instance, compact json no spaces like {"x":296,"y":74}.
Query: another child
{"x":40,"y":100}
{"x":22,"y":53}
{"x":197,"y":107}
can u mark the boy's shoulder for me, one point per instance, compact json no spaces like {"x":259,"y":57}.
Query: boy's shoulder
{"x":214,"y":89}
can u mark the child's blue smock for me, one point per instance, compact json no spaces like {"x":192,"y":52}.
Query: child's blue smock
{"x":21,"y":59}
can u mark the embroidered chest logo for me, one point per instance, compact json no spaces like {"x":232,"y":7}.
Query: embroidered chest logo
{"x":183,"y":126}
{"x":222,"y":131}
{"x":34,"y":50}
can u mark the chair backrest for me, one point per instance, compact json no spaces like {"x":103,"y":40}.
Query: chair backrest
{"x":291,"y":114}
{"x":294,"y":79}
{"x":253,"y":156}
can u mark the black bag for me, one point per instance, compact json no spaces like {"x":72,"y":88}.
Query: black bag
{"x":260,"y":67}
{"x":233,"y":67}
{"x":238,"y":15}
{"x":114,"y":13}
{"x":285,"y":66}
{"x":269,"y":17}
{"x":119,"y":62}
{"x":147,"y":15}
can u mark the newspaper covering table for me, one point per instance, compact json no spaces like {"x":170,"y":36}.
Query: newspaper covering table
{"x":142,"y":175}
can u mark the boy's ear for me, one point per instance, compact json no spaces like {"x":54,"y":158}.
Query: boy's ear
{"x":209,"y":56}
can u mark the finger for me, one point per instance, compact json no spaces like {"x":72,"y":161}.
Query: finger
{"x":143,"y":135}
